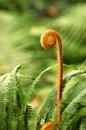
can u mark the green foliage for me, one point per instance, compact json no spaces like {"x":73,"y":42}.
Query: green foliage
{"x":15,"y":113}
{"x":72,"y":28}
{"x":47,"y":109}
{"x":20,"y":35}
{"x":73,"y":97}
{"x":14,"y":5}
{"x":20,"y":38}
{"x":40,"y":6}
{"x":31,"y":88}
{"x":19,"y":42}
{"x":72,"y":103}
{"x":14,"y":108}
{"x":11,"y":115}
{"x":8,"y":101}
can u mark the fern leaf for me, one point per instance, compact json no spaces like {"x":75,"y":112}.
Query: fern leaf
{"x":77,"y":120}
{"x":71,"y":110}
{"x":30,"y":90}
{"x":72,"y":89}
{"x":8,"y":99}
{"x":28,"y":116}
{"x":2,"y":78}
{"x":47,"y":109}
{"x":83,"y":124}
{"x":3,"y":101}
{"x":12,"y":100}
{"x":72,"y":74}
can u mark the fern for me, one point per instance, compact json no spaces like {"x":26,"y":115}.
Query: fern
{"x":73,"y":84}
{"x":83,"y":124}
{"x":30,"y":90}
{"x":14,"y":110}
{"x":72,"y":89}
{"x":76,"y":123}
{"x":71,"y":110}
{"x":8,"y":100}
{"x":47,"y":109}
{"x":73,"y":100}
{"x":3,"y":102}
{"x":73,"y":107}
{"x":11,"y":116}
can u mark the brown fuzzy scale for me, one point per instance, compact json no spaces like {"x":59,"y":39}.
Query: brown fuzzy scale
{"x":48,"y":126}
{"x":49,"y":40}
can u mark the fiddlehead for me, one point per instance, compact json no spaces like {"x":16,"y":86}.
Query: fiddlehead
{"x":50,"y":39}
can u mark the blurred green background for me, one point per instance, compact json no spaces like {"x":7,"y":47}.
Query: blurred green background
{"x":21,"y":24}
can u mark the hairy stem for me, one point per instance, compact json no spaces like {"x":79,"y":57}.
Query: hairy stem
{"x":60,"y":76}
{"x":50,"y":39}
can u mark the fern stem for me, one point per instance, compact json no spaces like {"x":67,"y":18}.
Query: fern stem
{"x":50,"y":39}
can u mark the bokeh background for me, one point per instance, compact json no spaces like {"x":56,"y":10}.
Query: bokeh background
{"x":21,"y":24}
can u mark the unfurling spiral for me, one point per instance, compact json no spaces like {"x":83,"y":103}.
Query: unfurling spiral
{"x":49,"y":39}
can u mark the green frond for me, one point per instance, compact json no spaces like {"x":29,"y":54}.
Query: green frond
{"x":71,"y":110}
{"x":13,"y":112}
{"x":72,"y":74}
{"x":8,"y":101}
{"x":28,"y":117}
{"x":47,"y":110}
{"x":83,"y":123}
{"x":72,"y":89}
{"x":73,"y":99}
{"x":9,"y":111}
{"x":31,"y":88}
{"x":77,"y":119}
{"x":3,"y":77}
{"x":70,"y":82}
{"x":3,"y":101}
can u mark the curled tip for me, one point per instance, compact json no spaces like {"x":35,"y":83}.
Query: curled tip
{"x":49,"y":39}
{"x":48,"y":126}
